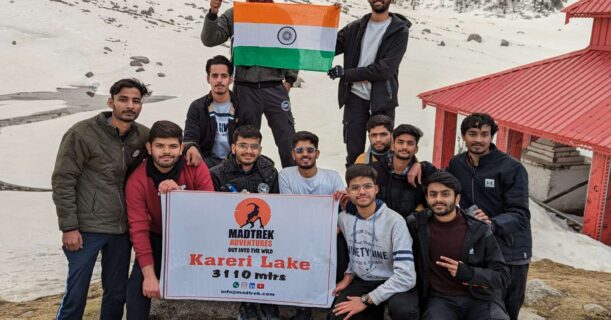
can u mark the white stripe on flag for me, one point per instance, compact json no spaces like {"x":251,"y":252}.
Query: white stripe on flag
{"x":267,"y":35}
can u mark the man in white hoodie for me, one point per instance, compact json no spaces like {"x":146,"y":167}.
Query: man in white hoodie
{"x":381,"y":268}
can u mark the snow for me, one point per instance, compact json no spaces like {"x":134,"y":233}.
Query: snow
{"x":58,"y":52}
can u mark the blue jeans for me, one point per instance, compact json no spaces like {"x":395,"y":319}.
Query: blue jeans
{"x":116,"y":253}
{"x":139,"y":306}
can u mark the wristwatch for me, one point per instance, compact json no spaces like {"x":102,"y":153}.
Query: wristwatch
{"x":365,"y":300}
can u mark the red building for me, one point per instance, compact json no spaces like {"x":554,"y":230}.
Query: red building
{"x":566,"y":99}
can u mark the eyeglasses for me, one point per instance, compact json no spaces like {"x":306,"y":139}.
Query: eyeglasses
{"x":245,"y":146}
{"x":302,"y":149}
{"x":357,"y":187}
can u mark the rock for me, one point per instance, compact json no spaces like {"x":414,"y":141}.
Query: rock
{"x":169,"y":10}
{"x":536,"y":290}
{"x":528,"y":314}
{"x":298,"y":83}
{"x":475,"y":37}
{"x":135,"y":63}
{"x":14,"y":43}
{"x":596,"y":310}
{"x":89,"y":74}
{"x":159,"y":63}
{"x":190,"y":309}
{"x":457,"y":26}
{"x":161,"y":75}
{"x":108,"y":49}
{"x":90,"y":93}
{"x":426,"y":30}
{"x":148,"y":12}
{"x":442,"y":44}
{"x":190,"y":18}
{"x":142,"y":59}
{"x":140,"y":69}
{"x":520,"y":32}
{"x":504,"y":43}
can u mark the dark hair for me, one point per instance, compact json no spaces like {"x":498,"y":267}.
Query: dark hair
{"x":478,"y":120}
{"x":305,"y":136}
{"x":445,"y":178}
{"x":361,"y":170}
{"x":380,"y":120}
{"x":129,"y":83}
{"x":407,"y":129}
{"x":247,"y":131}
{"x":219,"y":60}
{"x":165,"y":129}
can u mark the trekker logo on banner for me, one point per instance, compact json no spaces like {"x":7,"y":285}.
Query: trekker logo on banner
{"x":270,"y":248}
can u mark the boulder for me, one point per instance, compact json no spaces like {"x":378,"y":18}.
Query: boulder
{"x":475,"y":37}
{"x":537,"y":289}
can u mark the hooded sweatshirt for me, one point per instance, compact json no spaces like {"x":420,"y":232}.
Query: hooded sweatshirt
{"x":380,"y":249}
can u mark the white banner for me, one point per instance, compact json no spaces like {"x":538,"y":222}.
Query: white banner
{"x":267,"y":248}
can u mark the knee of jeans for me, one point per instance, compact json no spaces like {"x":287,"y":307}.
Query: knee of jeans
{"x":403,"y":310}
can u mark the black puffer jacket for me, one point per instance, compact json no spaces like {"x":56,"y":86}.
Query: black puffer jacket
{"x":384,"y":72}
{"x":482,"y":269}
{"x":395,"y":191}
{"x":498,"y":186}
{"x":263,"y":176}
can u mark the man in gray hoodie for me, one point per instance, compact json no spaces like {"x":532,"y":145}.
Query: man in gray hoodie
{"x":381,"y":269}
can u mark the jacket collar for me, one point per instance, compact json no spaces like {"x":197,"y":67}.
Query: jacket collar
{"x":102,"y":120}
{"x":398,"y":22}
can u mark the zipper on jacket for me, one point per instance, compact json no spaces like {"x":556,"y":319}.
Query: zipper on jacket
{"x":389,"y":89}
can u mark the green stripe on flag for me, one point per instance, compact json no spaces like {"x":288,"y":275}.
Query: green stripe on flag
{"x":284,"y":58}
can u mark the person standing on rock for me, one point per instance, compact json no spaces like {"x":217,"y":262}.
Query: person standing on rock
{"x":498,"y":185}
{"x":373,"y":48}
{"x":94,"y":158}
{"x":212,"y":119}
{"x":461,"y":271}
{"x":165,"y":170}
{"x":259,"y":90}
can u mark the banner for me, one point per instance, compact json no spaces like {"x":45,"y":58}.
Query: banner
{"x":265,"y":248}
{"x":285,"y":36}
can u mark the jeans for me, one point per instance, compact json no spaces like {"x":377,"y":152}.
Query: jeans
{"x":139,"y":306}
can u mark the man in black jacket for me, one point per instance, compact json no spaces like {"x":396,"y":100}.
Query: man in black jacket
{"x":246,"y":170}
{"x":373,"y":48}
{"x":211,"y":119}
{"x":498,"y":185}
{"x":392,"y":170}
{"x":460,"y":267}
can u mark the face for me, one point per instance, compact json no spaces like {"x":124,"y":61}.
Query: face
{"x":478,"y":140}
{"x":219,"y":79}
{"x":380,"y":138}
{"x":362,"y":191}
{"x":305,"y":154}
{"x":165,"y":152}
{"x":441,"y":199}
{"x":126,"y":105}
{"x":246,"y":150}
{"x":379,"y":6}
{"x":404,"y":147}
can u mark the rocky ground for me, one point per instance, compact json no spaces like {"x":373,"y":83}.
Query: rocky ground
{"x":555,"y":291}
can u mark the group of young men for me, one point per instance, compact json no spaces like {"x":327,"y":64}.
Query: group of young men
{"x":455,"y":246}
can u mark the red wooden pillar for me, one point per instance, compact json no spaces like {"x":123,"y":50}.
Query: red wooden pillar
{"x":597,"y":215}
{"x":526,"y":141}
{"x":514,"y":143}
{"x":501,"y":139}
{"x":445,"y":138}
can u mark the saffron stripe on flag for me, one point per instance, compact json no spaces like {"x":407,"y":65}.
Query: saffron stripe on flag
{"x":286,"y":14}
{"x":283,"y":58}
{"x":271,"y":35}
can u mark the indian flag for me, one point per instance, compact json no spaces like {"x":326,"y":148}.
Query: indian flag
{"x":286,"y":36}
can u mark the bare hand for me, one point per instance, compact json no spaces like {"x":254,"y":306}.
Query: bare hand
{"x":168,"y":185}
{"x":342,"y":197}
{"x":451,"y":265}
{"x":215,"y":5}
{"x":353,"y":306}
{"x":338,"y":5}
{"x":287,"y":86}
{"x":194,"y":158}
{"x":72,"y":240}
{"x":414,"y":175}
{"x":481,"y":216}
{"x":150,"y":287}
{"x":342,"y":284}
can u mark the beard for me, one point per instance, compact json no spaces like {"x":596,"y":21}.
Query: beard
{"x":445,"y":212}
{"x":165,"y":165}
{"x":401,"y":157}
{"x":384,"y":149}
{"x":306,"y":166}
{"x":382,"y":9}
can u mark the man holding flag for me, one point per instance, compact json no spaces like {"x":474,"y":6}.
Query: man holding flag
{"x":373,"y":48}
{"x":260,"y":90}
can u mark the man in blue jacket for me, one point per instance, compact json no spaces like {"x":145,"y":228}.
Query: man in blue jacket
{"x":498,"y":185}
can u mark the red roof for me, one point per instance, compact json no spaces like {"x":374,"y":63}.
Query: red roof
{"x":566,"y":98}
{"x":589,"y":9}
